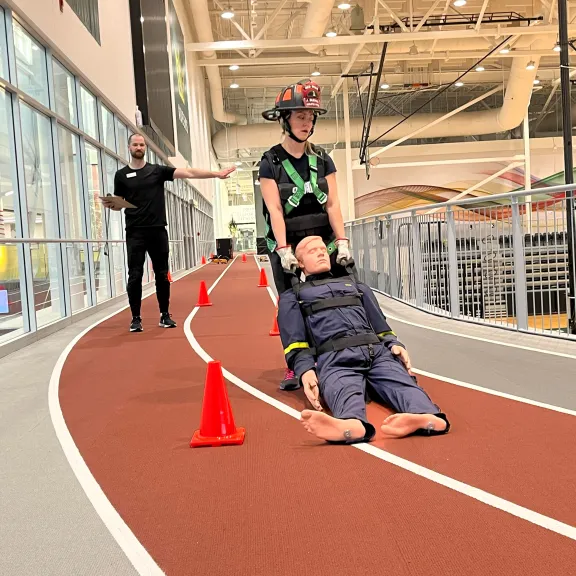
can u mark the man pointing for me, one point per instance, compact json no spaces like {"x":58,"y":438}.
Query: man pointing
{"x":142,"y":185}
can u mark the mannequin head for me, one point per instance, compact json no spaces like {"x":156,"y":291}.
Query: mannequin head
{"x":313,"y":256}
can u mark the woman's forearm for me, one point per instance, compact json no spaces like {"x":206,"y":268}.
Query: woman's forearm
{"x":336,"y":220}
{"x":278,"y":227}
{"x":333,"y":208}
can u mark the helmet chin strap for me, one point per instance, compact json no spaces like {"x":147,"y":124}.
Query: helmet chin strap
{"x":287,"y":128}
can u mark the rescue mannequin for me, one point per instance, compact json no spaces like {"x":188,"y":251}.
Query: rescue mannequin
{"x":337,"y":341}
{"x":299,"y":192}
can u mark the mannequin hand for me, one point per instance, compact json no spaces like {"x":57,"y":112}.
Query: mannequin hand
{"x":403,"y":353}
{"x":343,"y":250}
{"x":310,"y":382}
{"x":287,"y":258}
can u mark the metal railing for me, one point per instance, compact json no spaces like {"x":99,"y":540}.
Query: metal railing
{"x":500,"y":260}
{"x":45,"y":280}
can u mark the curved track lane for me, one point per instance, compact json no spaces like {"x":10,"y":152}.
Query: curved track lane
{"x":283,"y":503}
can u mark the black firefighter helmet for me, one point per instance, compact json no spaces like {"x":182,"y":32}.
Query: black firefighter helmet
{"x":304,"y":95}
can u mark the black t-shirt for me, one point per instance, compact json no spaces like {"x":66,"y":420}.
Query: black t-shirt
{"x":300,"y":165}
{"x":308,"y":203}
{"x":145,"y":189}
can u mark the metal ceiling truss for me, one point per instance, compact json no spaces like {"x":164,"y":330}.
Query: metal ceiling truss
{"x":368,"y":111}
{"x":457,"y":20}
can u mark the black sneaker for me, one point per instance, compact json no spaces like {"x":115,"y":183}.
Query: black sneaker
{"x":166,"y":321}
{"x":290,"y":381}
{"x":136,"y":325}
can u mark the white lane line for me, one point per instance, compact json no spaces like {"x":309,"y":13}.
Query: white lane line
{"x":495,"y":392}
{"x":129,"y":544}
{"x":467,"y":384}
{"x":446,"y":481}
{"x":478,"y":338}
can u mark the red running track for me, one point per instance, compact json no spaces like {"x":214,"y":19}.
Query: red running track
{"x":284,"y":503}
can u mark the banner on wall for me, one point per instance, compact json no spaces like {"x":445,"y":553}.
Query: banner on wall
{"x":180,"y":84}
{"x":151,"y":57}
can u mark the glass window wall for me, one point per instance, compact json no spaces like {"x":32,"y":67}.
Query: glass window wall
{"x":64,"y":93}
{"x":30,"y":65}
{"x":54,"y":165}
{"x":122,"y":132}
{"x":11,"y":320}
{"x":108,"y":138}
{"x":89,"y":113}
{"x":72,"y":207}
{"x":3,"y":47}
{"x":42,"y":219}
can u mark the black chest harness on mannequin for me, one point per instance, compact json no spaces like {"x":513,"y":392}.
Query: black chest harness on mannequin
{"x":310,"y":308}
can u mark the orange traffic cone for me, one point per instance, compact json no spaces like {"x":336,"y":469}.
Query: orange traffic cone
{"x":203,"y":298}
{"x":169,"y":276}
{"x":203,"y":259}
{"x":217,"y":427}
{"x":263,"y":279}
{"x":275,"y":330}
{"x":243,"y":257}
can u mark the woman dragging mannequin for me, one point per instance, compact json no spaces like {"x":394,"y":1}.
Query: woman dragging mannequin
{"x":298,"y":184}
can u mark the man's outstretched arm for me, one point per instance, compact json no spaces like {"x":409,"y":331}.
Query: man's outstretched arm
{"x":297,"y":349}
{"x":200,"y":174}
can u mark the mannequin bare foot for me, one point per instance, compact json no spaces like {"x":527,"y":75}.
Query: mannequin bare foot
{"x":329,"y":428}
{"x":400,"y":425}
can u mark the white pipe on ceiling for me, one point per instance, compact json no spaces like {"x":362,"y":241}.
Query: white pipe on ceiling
{"x":203,"y":26}
{"x":516,"y":100}
{"x":316,"y":21}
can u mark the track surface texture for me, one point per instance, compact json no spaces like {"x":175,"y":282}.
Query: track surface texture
{"x":284,"y":503}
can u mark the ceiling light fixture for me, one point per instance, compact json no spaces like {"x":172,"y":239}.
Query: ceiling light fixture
{"x":480,"y":68}
{"x":459,"y":84}
{"x":234,"y":67}
{"x":459,"y":3}
{"x":557,"y":48}
{"x":331,"y":33}
{"x":238,"y":163}
{"x":531,"y":65}
{"x":316,"y":72}
{"x":536,"y":81}
{"x":384,"y":86}
{"x":234,"y":85}
{"x":505,"y":50}
{"x":227,"y":14}
{"x":344,"y":6}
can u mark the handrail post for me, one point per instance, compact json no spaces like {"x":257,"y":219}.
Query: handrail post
{"x":392,"y":252}
{"x":520,"y":295}
{"x":417,"y":261}
{"x":453,"y":264}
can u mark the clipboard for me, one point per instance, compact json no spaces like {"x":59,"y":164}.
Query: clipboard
{"x":116,"y":202}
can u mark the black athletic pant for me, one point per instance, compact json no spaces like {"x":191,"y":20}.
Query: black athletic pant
{"x":153,"y":240}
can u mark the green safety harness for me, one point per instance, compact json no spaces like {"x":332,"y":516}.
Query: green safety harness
{"x":301,"y":188}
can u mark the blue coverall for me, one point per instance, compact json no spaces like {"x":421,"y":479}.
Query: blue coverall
{"x":325,"y":309}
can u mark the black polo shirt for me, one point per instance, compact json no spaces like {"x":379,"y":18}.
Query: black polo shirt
{"x":145,"y":189}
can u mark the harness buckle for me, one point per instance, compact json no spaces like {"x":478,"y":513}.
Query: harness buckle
{"x":308,"y":188}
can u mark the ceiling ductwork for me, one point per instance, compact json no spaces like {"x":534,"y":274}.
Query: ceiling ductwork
{"x":516,"y":100}
{"x":203,"y":27}
{"x":316,"y":21}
